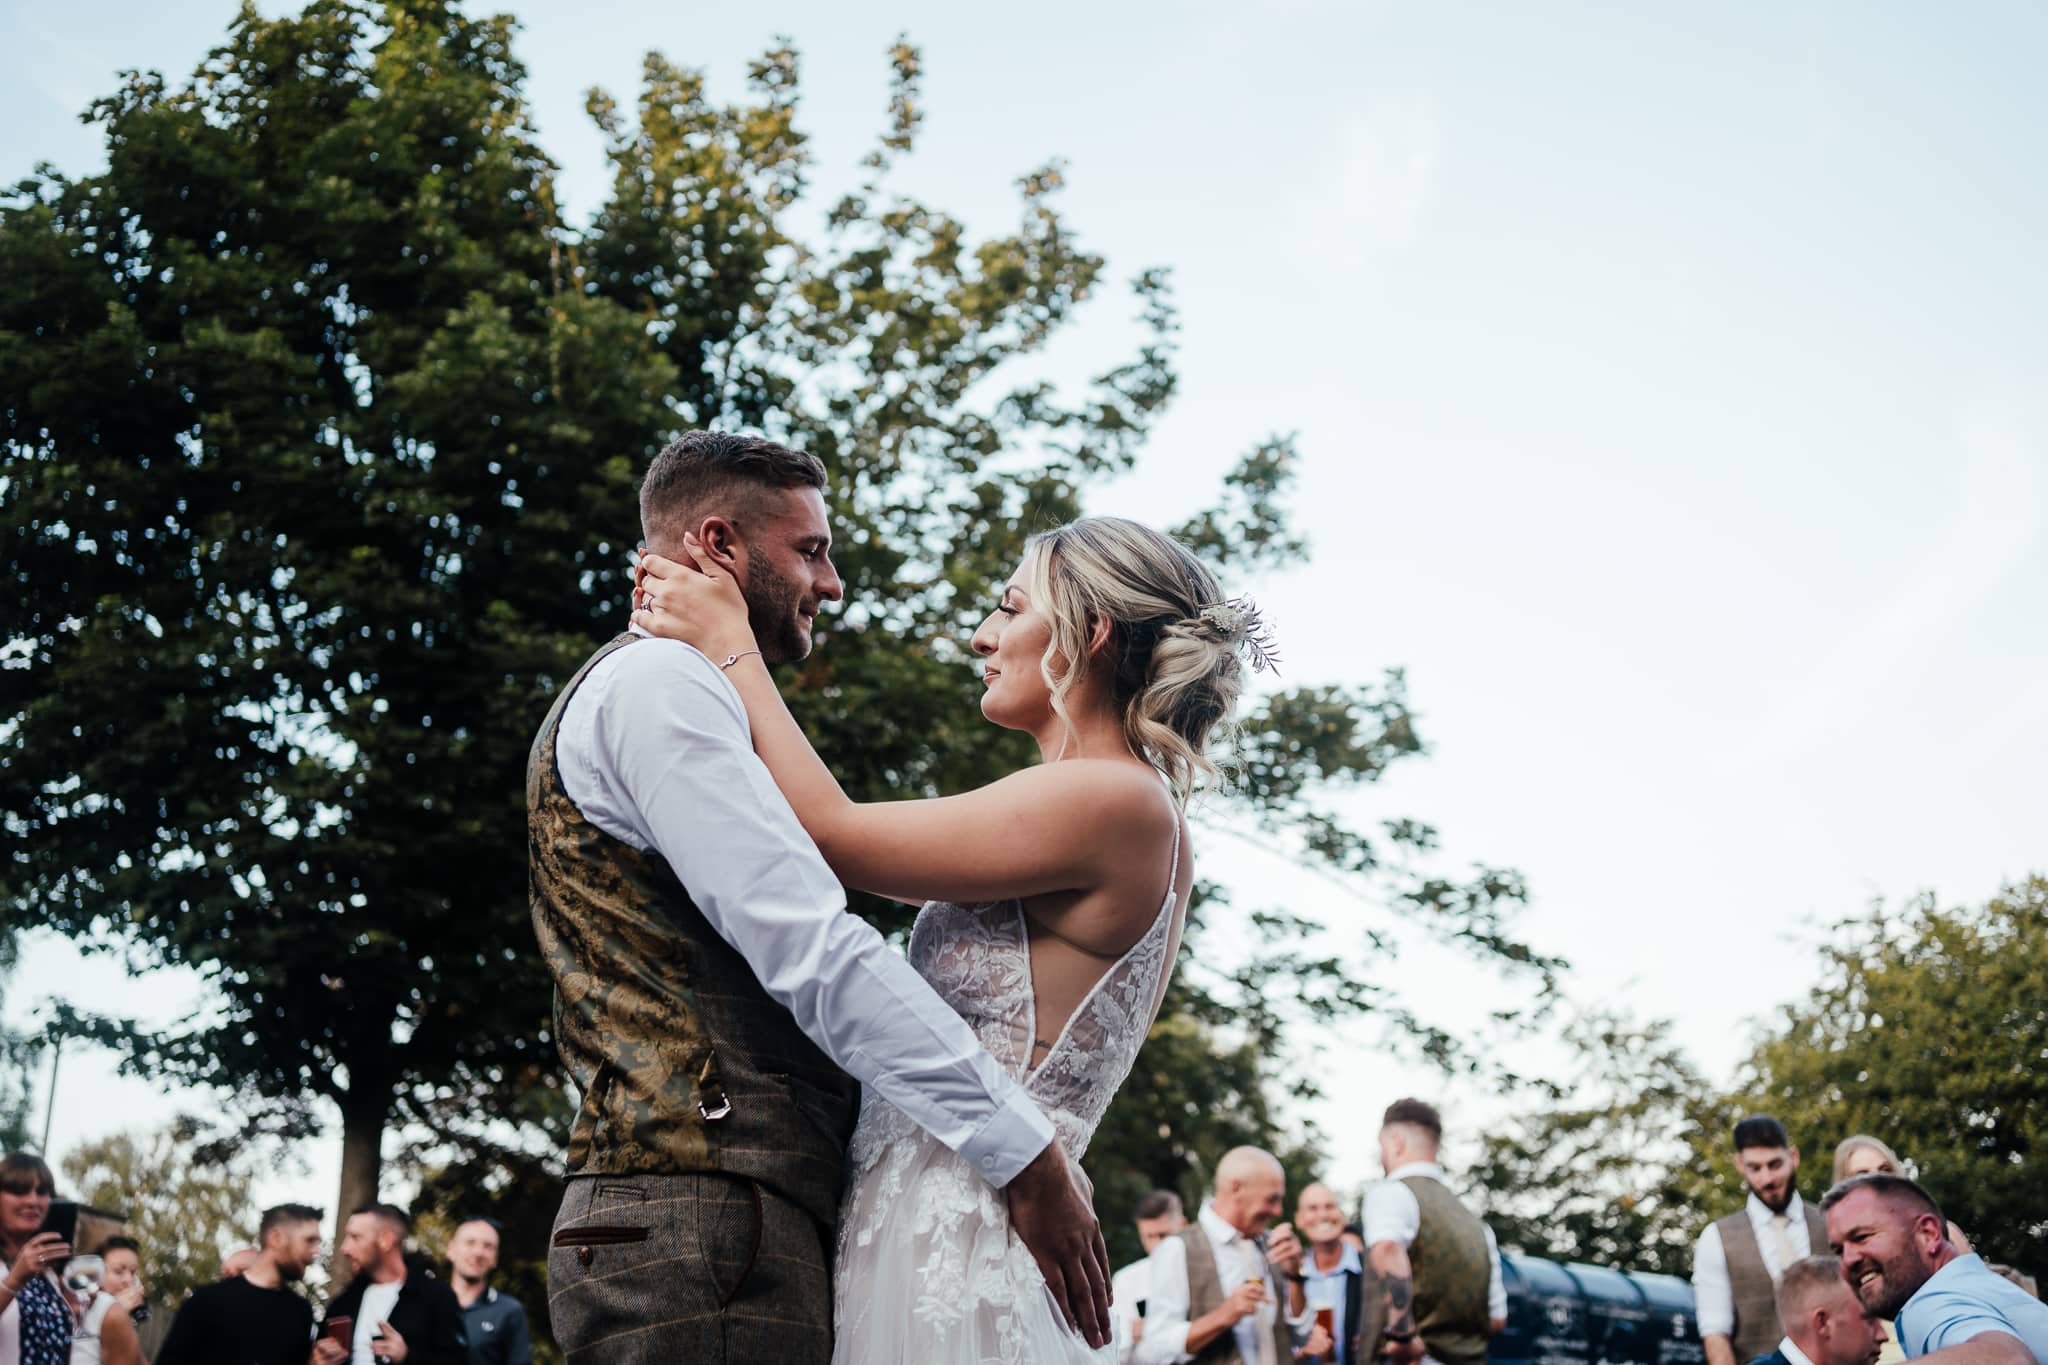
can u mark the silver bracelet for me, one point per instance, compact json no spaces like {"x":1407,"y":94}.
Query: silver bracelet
{"x":732,"y":659}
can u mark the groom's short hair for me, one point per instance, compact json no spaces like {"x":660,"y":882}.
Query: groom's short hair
{"x":705,"y":473}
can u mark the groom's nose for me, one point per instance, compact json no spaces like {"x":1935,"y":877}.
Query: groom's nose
{"x":826,"y":583}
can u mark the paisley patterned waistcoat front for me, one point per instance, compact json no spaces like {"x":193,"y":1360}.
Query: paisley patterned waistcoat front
{"x":682,"y":1061}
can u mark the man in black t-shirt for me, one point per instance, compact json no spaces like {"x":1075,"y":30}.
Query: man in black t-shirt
{"x":255,"y":1318}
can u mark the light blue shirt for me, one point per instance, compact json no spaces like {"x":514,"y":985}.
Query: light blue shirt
{"x":1328,"y":1287}
{"x":1964,"y":1299}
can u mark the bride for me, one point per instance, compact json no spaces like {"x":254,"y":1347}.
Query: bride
{"x":1054,"y":898}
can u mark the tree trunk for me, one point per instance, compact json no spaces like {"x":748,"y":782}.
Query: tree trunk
{"x":363,"y":1113}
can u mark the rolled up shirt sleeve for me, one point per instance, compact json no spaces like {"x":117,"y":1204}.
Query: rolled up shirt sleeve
{"x":1713,"y":1296}
{"x":1166,"y":1307}
{"x":672,"y":757}
{"x":1391,"y":1214}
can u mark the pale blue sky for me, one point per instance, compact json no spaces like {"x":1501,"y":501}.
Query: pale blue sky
{"x":1669,"y":380}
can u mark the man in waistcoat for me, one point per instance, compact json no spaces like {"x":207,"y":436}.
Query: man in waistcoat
{"x":1213,"y":1298}
{"x":715,"y":1005}
{"x":1735,"y":1267}
{"x":1339,"y":1278}
{"x":1824,"y":1324}
{"x":1436,"y":1260}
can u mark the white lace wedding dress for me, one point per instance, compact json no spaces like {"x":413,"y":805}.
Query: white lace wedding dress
{"x":927,"y":1270}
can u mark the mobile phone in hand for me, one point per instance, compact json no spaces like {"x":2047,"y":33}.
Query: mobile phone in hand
{"x":340,"y":1330}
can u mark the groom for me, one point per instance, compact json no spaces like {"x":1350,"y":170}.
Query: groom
{"x":715,"y":1005}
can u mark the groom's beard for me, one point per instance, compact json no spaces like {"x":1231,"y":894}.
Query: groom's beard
{"x":773,"y":610}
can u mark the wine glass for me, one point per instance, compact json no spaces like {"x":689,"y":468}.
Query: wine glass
{"x":82,"y":1276}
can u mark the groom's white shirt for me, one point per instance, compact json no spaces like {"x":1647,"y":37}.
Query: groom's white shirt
{"x":655,"y":750}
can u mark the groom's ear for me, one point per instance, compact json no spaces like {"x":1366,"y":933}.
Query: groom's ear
{"x":722,"y":543}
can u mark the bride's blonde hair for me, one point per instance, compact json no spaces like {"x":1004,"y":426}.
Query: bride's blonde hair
{"x":1173,"y":642}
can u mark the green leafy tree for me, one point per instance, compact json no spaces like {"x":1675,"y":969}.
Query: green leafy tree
{"x":311,"y":460}
{"x":186,"y":1206}
{"x":1928,"y":1030}
{"x":321,"y":431}
{"x":1605,"y":1171}
{"x":18,"y":1056}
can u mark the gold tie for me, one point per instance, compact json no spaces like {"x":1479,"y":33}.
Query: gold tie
{"x":1781,"y":1237}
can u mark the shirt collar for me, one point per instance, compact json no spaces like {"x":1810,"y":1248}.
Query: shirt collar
{"x":1790,"y":1350}
{"x":1426,"y":1168}
{"x":1347,"y":1264}
{"x":1219,"y":1231}
{"x":1760,"y":1212}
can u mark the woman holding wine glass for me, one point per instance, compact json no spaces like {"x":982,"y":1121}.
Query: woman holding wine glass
{"x":105,"y":1334}
{"x":35,"y":1321}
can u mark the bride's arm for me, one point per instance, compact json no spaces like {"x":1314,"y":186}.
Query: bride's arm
{"x":1060,"y":827}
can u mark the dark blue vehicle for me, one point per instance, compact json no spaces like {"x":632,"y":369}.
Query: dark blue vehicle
{"x":1575,"y":1314}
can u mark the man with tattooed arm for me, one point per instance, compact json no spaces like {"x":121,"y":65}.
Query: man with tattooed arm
{"x":1435,"y":1260}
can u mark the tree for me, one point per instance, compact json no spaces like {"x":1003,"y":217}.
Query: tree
{"x":186,"y":1206}
{"x":321,"y":430}
{"x":1605,"y":1173}
{"x":311,"y":457}
{"x":18,"y":1055}
{"x":1928,"y":1030}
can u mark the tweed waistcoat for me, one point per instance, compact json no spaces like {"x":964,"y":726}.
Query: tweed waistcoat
{"x":1755,"y":1292}
{"x":1205,"y":1295}
{"x":1452,"y":1273}
{"x":682,"y":1061}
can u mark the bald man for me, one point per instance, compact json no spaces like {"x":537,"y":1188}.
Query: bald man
{"x":1213,"y":1298}
{"x":1951,"y":1308}
{"x":1824,"y":1324}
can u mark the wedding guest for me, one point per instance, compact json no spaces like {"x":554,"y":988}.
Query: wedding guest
{"x":495,"y":1323}
{"x":1436,"y":1261}
{"x":253,"y":1318}
{"x":1736,"y":1264}
{"x":102,"y":1332}
{"x":35,"y":1320}
{"x":1159,"y":1215}
{"x":1866,"y":1155}
{"x":1339,"y":1277}
{"x":398,"y":1310}
{"x":1948,"y":1306}
{"x":1209,"y":1301}
{"x":1824,"y":1323}
{"x":123,"y":1279}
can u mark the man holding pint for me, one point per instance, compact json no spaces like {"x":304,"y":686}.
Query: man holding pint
{"x":1214,"y":1297}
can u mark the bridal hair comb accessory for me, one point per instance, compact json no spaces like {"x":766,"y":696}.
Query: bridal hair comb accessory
{"x":1238,"y":622}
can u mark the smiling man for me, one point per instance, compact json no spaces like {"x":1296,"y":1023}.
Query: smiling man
{"x":1950,"y":1307}
{"x":1739,"y":1259}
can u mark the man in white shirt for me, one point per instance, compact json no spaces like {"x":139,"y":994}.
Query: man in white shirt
{"x":1737,"y":1262}
{"x":1159,"y":1215}
{"x":1211,"y":1284}
{"x":1824,"y":1324}
{"x":715,"y":1002}
{"x":1437,"y":1260}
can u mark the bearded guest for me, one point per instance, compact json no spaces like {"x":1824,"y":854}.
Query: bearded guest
{"x":1735,"y":1267}
{"x":1947,"y":1306}
{"x":1339,"y":1279}
{"x":1824,"y":1322}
